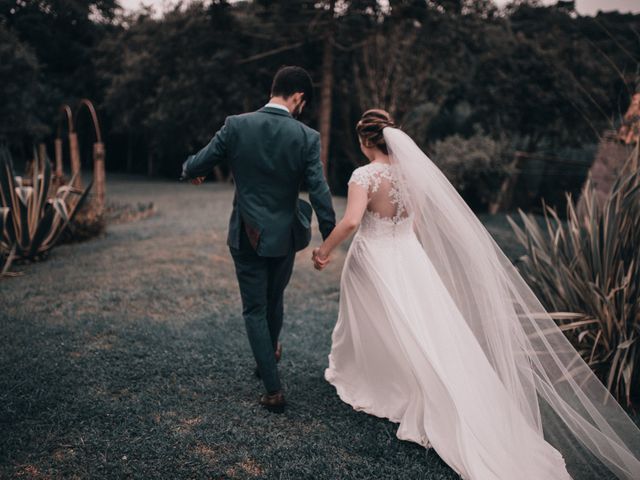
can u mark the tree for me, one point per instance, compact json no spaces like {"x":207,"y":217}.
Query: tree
{"x":326,"y":93}
{"x":61,"y":34}
{"x":21,"y":91}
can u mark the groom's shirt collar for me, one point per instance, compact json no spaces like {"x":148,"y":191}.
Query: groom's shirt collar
{"x":277,"y":105}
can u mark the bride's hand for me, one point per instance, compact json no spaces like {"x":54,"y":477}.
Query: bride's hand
{"x":320,"y":259}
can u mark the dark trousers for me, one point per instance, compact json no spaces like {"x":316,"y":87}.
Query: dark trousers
{"x":262,"y":281}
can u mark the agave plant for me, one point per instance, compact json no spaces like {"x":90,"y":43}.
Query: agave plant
{"x":587,"y":274}
{"x":7,"y":251}
{"x":33,"y":217}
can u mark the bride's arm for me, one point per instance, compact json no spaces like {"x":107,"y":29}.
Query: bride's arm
{"x":357,"y":200}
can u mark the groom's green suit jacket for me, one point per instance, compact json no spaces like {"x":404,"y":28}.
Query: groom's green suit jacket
{"x":271,"y":156}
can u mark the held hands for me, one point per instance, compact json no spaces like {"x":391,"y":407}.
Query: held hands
{"x":197,"y":180}
{"x":320,"y":259}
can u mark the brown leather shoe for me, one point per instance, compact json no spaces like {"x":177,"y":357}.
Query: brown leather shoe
{"x":278,"y":354}
{"x":274,"y":402}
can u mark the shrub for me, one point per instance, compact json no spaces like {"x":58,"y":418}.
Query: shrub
{"x":590,"y":266}
{"x":7,"y":251}
{"x":32,"y":219}
{"x":474,"y":165}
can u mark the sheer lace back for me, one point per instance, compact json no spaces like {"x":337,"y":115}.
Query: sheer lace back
{"x":386,"y":210}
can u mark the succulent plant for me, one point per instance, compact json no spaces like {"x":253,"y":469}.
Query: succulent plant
{"x":7,"y":251}
{"x":33,"y":217}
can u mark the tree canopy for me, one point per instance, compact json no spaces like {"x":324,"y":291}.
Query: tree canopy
{"x":540,"y":78}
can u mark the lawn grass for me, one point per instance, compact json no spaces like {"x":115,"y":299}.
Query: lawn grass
{"x":126,"y":357}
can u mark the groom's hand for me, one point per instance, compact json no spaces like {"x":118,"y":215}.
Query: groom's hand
{"x":197,"y":180}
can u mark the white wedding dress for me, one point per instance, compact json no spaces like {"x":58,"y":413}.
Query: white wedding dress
{"x":401,"y":350}
{"x":439,"y":332}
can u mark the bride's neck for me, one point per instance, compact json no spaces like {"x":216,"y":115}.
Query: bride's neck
{"x":382,"y":158}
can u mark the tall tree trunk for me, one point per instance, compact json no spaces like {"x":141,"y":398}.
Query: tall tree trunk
{"x":326,"y":93}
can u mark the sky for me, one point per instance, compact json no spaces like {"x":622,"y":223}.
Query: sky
{"x":584,"y":7}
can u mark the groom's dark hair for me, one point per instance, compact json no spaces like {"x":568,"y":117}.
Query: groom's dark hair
{"x":289,"y":80}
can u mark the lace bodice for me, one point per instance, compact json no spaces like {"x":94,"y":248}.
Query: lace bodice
{"x":387,"y":214}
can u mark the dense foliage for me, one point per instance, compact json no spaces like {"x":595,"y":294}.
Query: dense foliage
{"x":590,"y":265}
{"x":527,"y":77}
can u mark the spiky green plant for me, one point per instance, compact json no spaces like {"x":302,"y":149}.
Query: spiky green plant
{"x":590,"y":267}
{"x":32,"y":218}
{"x":7,"y":251}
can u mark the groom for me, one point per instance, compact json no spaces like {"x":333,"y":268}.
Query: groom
{"x":270,"y":155}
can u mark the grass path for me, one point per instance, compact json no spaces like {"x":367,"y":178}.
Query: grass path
{"x":126,"y":357}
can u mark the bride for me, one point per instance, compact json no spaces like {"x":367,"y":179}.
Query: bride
{"x":438,"y":332}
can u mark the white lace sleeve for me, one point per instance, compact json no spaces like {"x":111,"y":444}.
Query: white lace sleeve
{"x":361,"y":177}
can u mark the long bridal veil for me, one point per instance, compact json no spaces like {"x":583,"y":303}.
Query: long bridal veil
{"x":548,"y":381}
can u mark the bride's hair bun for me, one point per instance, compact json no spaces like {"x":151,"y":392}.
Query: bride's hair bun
{"x":370,"y":127}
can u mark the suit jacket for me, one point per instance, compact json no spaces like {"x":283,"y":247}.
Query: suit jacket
{"x":271,"y":156}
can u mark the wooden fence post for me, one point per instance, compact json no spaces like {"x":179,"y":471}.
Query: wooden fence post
{"x":58,"y":154}
{"x":74,"y":151}
{"x":99,"y":180}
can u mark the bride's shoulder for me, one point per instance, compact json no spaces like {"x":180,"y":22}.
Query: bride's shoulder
{"x":361,"y":176}
{"x":370,"y":174}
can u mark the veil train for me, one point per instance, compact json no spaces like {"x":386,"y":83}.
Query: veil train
{"x":552,"y":386}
